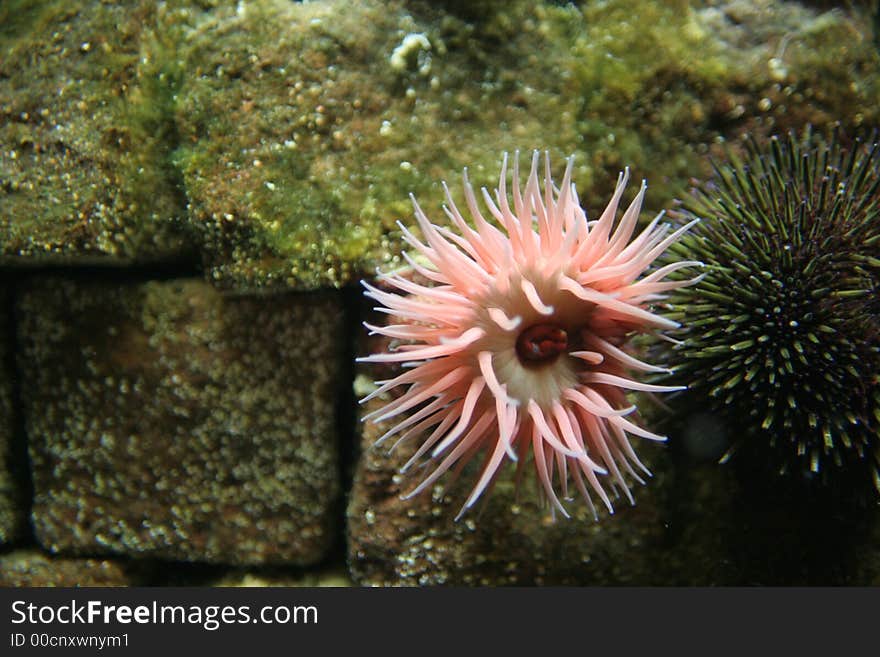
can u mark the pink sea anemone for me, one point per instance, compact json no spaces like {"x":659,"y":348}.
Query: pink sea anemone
{"x":511,"y":336}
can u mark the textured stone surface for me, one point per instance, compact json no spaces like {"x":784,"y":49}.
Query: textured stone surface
{"x":866,"y":553}
{"x":281,"y":139}
{"x":333,"y":577}
{"x":339,"y":110}
{"x":12,"y":503}
{"x":167,"y":420}
{"x":736,"y":529}
{"x":86,"y":135}
{"x":33,"y":568}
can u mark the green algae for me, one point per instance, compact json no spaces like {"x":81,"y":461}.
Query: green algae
{"x":357,"y":136}
{"x":299,"y":170}
{"x":86,"y":136}
{"x":283,"y":139}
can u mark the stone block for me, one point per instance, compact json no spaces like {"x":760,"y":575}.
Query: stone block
{"x":168,"y":420}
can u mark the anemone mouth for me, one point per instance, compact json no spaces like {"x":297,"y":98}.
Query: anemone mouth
{"x":541,"y":344}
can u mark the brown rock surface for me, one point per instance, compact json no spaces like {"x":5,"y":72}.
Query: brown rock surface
{"x":167,"y":420}
{"x":86,"y":136}
{"x":33,"y":568}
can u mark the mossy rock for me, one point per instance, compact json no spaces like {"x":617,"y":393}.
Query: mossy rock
{"x":281,"y":140}
{"x":86,"y":134}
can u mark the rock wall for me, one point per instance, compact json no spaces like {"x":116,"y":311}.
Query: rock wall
{"x":189,"y":194}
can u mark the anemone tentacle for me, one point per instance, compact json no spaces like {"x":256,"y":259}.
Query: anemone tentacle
{"x":514,"y":328}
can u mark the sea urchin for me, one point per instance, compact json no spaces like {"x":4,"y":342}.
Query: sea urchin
{"x":781,"y":340}
{"x":511,"y":336}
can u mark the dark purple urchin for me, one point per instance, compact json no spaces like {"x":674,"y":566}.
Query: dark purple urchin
{"x":781,"y":339}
